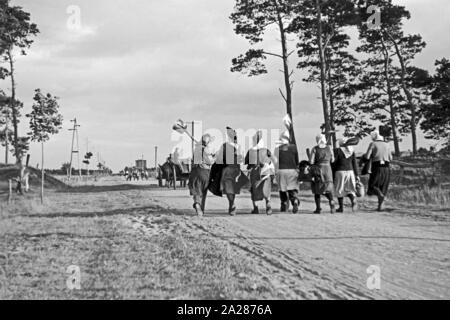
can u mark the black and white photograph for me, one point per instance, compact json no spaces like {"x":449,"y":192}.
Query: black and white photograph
{"x":225,"y":156}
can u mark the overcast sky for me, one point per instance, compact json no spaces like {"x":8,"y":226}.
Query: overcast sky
{"x":136,"y":66}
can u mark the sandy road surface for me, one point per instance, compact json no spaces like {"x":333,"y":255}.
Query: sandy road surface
{"x":301,"y":256}
{"x":327,"y":256}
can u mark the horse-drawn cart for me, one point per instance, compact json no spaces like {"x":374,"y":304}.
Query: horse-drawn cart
{"x":171,"y":173}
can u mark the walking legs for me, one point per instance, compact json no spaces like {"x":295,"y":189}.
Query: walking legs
{"x":232,"y":207}
{"x":317,"y":200}
{"x":329,"y":196}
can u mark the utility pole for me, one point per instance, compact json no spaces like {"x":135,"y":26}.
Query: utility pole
{"x":156,"y":157}
{"x":72,"y":151}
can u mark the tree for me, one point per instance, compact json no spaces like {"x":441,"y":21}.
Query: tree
{"x":406,"y":47}
{"x":45,"y":120}
{"x":16,"y":32}
{"x":381,"y":95}
{"x":65,"y":167}
{"x":390,"y":40}
{"x":436,"y":123}
{"x":252,"y":19}
{"x":322,"y":50}
{"x":5,"y":116}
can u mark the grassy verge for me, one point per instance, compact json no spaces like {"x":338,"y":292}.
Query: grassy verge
{"x":117,"y":261}
{"x":438,"y":196}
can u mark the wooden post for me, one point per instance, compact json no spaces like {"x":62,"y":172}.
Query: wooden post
{"x":10,"y":191}
{"x":42,"y":175}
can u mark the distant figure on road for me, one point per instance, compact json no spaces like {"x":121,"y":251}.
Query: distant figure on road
{"x":260,"y":165}
{"x":199,"y":177}
{"x":380,"y":154}
{"x":322,"y":156}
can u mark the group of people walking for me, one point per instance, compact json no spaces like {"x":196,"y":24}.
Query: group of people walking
{"x":332,"y":173}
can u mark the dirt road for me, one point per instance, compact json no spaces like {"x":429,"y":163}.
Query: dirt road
{"x":334,"y":256}
{"x":402,"y":253}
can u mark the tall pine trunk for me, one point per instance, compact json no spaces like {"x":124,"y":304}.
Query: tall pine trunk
{"x":13,"y":107}
{"x":286,"y":72}
{"x":332,"y":108}
{"x":409,"y":96}
{"x":326,"y":111}
{"x":392,"y":109}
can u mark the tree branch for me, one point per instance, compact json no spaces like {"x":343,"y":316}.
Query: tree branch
{"x":273,"y":54}
{"x":282,"y":94}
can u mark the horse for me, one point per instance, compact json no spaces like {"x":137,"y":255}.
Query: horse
{"x":171,"y":173}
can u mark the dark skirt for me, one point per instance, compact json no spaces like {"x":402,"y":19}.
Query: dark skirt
{"x":229,"y":179}
{"x":199,"y":181}
{"x":261,"y":186}
{"x":215,"y":179}
{"x":379,"y":178}
{"x":325,"y":184}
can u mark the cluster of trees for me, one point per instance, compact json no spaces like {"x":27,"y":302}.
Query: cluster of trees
{"x":101,"y":169}
{"x":16,"y":36}
{"x":376,"y":84}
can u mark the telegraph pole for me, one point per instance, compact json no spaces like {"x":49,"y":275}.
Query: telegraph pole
{"x":72,"y":151}
{"x":156,"y":157}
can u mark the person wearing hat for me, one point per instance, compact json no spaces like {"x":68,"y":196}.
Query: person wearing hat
{"x":346,"y":174}
{"x":261,"y":169}
{"x":286,"y":161}
{"x":200,"y":174}
{"x":230,"y":157}
{"x":322,"y":157}
{"x":380,"y":154}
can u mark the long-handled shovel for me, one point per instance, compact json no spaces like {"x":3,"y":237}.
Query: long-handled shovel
{"x":181,"y":127}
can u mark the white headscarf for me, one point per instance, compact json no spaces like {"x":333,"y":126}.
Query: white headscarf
{"x":376,"y":136}
{"x":258,"y":141}
{"x":348,"y":150}
{"x":285,"y":138}
{"x":321,"y":140}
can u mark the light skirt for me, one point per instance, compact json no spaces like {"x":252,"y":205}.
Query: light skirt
{"x":287,"y":180}
{"x":345,"y":183}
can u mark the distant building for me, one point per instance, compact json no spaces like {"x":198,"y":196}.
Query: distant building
{"x":141,"y":164}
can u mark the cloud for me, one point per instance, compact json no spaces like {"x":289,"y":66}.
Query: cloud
{"x":135,"y":66}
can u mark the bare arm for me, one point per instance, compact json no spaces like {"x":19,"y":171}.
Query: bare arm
{"x":369,"y":152}
{"x":312,"y":159}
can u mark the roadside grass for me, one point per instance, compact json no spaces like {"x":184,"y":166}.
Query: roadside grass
{"x":116,"y":261}
{"x":438,"y":196}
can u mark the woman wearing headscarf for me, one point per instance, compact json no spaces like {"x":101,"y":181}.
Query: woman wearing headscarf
{"x":200,"y":174}
{"x":380,"y":154}
{"x":230,"y":156}
{"x":322,"y":156}
{"x":346,"y":174}
{"x":261,"y":169}
{"x":286,"y":161}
